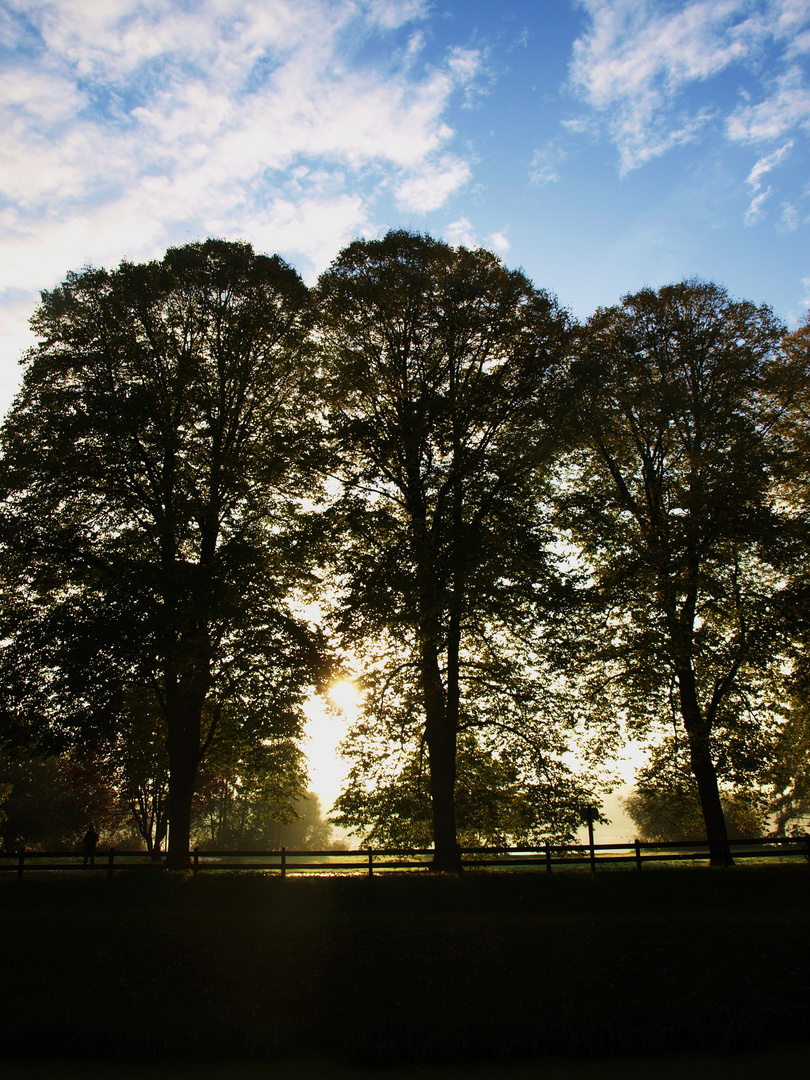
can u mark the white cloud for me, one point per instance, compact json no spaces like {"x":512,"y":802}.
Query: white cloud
{"x":315,"y":227}
{"x":789,"y":222}
{"x":545,"y":163}
{"x":498,"y":243}
{"x":638,"y":58}
{"x":766,"y":163}
{"x":786,"y":109}
{"x":390,"y":14}
{"x":755,"y":213}
{"x":430,"y":187}
{"x":461,"y":233}
{"x":788,"y":18}
{"x":132,"y":124}
{"x":48,"y":97}
{"x":464,"y":63}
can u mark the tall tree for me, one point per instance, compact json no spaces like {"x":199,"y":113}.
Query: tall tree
{"x":152,"y":464}
{"x":443,"y":374}
{"x":673,"y":501}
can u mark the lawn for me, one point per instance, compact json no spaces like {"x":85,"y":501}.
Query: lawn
{"x":405,"y":969}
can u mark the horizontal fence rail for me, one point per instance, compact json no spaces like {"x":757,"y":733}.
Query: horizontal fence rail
{"x":371,"y":860}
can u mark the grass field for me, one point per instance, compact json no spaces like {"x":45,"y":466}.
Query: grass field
{"x":401,"y":970}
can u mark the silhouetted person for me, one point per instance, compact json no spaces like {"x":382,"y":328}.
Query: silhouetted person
{"x":90,"y":841}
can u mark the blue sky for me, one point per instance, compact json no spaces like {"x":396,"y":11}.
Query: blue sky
{"x":602,"y":145}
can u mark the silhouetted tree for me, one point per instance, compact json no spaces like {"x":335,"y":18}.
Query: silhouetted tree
{"x":671,"y":500}
{"x":152,"y":463}
{"x":444,"y":374}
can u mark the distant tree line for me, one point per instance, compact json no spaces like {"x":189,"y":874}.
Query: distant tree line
{"x":48,"y":802}
{"x":527,"y":540}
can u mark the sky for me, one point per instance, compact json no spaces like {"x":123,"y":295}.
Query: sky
{"x":601,"y":145}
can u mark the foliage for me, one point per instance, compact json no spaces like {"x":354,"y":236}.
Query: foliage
{"x":140,"y":766}
{"x":665,"y":805}
{"x":512,"y":782}
{"x":52,"y":800}
{"x":501,"y":800}
{"x":788,"y":768}
{"x":523,"y":555}
{"x":794,"y":423}
{"x":248,"y":789}
{"x":308,"y":831}
{"x":5,"y":791}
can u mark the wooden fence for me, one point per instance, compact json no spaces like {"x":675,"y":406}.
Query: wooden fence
{"x":368,"y":861}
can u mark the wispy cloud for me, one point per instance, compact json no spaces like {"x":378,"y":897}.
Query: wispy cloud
{"x":544,"y":167}
{"x":461,"y":233}
{"x":755,"y":213}
{"x":763,"y":166}
{"x":784,"y":110}
{"x":131,"y":124}
{"x":766,"y":163}
{"x":789,"y":221}
{"x":639,"y":57}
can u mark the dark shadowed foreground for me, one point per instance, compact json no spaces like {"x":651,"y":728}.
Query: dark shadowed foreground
{"x":777,"y":1061}
{"x":402,"y":970}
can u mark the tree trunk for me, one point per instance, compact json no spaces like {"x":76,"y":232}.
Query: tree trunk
{"x":160,"y":834}
{"x":183,"y":722}
{"x":181,"y":791}
{"x":441,"y":740}
{"x":703,"y":770}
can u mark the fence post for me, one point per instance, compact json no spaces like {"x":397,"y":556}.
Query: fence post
{"x":638,"y":854}
{"x":283,"y":862}
{"x":590,"y":845}
{"x":110,"y":859}
{"x":548,"y":857}
{"x":196,"y":859}
{"x":370,"y":863}
{"x":20,"y":862}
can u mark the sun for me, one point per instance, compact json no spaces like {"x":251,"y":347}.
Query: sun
{"x":329,"y":718}
{"x":344,"y":696}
